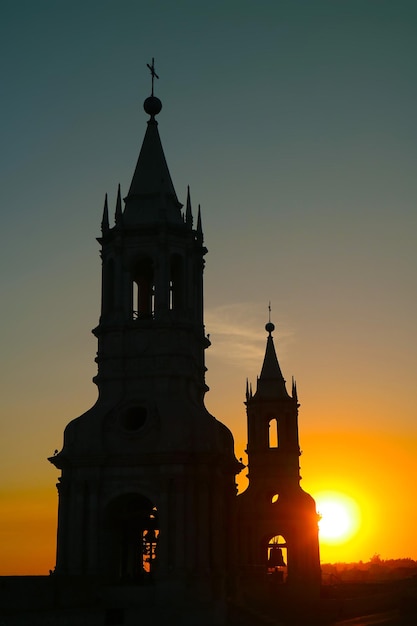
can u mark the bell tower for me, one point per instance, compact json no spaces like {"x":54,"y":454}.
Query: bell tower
{"x":147,"y":487}
{"x":278,"y":533}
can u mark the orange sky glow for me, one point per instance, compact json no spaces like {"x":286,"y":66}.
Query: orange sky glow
{"x":28,"y":524}
{"x":296,"y":133}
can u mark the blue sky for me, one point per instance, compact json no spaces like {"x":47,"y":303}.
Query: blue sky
{"x":294,"y":124}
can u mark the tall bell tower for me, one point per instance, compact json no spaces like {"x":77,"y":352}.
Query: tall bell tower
{"x":278,"y":532}
{"x":147,"y":490}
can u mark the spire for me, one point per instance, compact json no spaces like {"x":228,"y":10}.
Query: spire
{"x":271,"y":382}
{"x":118,"y":214}
{"x":199,"y":226}
{"x":188,"y":212}
{"x":105,"y":219}
{"x":151,"y":180}
{"x":294,"y":390}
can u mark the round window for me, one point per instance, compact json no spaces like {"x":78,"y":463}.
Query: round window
{"x":134,"y":418}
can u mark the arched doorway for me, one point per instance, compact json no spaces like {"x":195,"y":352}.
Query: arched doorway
{"x":132,"y":530}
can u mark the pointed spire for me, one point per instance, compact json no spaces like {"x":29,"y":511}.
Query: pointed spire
{"x":188,"y":211}
{"x":247,"y":390}
{"x":105,"y":219}
{"x":271,"y":381}
{"x":199,"y":229}
{"x":294,"y":390}
{"x":118,"y":214}
{"x":151,"y":179}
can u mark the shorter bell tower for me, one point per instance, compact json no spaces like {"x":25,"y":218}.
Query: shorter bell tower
{"x":278,"y":530}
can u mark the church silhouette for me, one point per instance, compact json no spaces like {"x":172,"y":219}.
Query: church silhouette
{"x":150,"y":526}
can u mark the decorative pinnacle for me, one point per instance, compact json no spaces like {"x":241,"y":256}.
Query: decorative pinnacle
{"x":188,"y":210}
{"x":105,"y":220}
{"x":118,"y":214}
{"x":199,"y":229}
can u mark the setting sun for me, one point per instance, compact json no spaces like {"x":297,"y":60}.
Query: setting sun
{"x":340,"y":517}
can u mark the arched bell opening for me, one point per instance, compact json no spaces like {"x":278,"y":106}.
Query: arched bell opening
{"x":273,"y":435}
{"x":143,"y":288}
{"x":277,"y":563}
{"x":132,"y":533}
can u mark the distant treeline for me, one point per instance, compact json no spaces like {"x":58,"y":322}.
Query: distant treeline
{"x":376,"y":569}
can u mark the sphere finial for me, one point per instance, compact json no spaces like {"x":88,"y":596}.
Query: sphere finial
{"x":269,"y":327}
{"x":152,"y":106}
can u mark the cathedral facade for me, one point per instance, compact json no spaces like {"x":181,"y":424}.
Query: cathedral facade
{"x":148,"y":504}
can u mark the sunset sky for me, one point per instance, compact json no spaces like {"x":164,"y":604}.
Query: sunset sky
{"x":294,"y":123}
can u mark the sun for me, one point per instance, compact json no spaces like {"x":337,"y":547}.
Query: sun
{"x":340,"y":517}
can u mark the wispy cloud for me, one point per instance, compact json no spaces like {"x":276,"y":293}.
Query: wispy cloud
{"x":237,"y":334}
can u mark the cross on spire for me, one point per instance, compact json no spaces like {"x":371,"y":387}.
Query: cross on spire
{"x":153,"y":73}
{"x":269,"y":310}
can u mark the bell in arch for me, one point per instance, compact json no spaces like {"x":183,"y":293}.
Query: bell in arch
{"x":276,"y":558}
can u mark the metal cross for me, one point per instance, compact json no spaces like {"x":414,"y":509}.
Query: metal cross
{"x":153,"y":73}
{"x":269,"y":309}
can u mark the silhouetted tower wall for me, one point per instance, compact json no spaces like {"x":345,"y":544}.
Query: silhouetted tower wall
{"x":274,"y":509}
{"x":147,"y":491}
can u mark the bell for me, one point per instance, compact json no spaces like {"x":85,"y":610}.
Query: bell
{"x":275,"y":557}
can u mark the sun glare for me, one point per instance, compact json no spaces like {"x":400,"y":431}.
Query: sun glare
{"x":340,"y":517}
